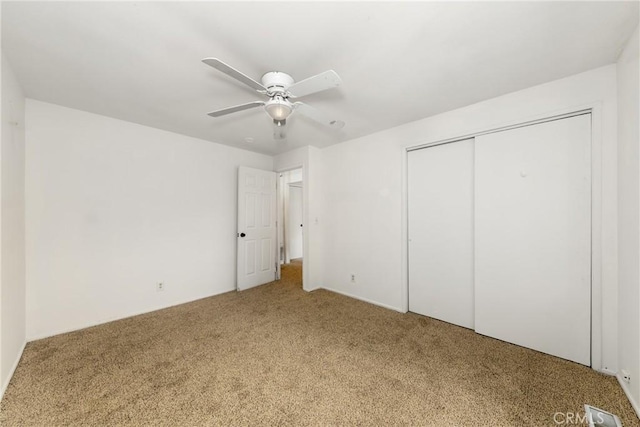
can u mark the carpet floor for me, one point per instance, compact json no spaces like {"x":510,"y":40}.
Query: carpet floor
{"x":278,"y":355}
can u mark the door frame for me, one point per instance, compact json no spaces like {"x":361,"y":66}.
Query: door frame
{"x":281,"y":219}
{"x":597,"y":256}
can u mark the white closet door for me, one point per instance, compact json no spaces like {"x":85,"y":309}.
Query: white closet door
{"x":533,"y":237}
{"x":441,"y":232}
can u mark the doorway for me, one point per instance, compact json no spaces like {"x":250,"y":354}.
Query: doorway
{"x":290,"y":226}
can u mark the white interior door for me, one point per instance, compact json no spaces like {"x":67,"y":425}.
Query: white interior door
{"x":441,"y":232}
{"x":256,"y":227}
{"x":533,"y":237}
{"x":295,"y":225}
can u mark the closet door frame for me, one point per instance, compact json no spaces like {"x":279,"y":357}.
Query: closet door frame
{"x":595,"y":109}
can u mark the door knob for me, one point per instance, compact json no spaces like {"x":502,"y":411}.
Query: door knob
{"x":242,"y":234}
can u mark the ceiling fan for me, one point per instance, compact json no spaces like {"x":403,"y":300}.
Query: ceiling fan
{"x":280,"y":88}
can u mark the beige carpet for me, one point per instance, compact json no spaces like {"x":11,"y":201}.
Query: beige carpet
{"x":279,"y":355}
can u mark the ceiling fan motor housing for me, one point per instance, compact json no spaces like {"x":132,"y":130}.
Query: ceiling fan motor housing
{"x":277,"y":82}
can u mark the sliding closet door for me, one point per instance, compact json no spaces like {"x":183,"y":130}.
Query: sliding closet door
{"x":533,"y":237}
{"x":441,"y":232}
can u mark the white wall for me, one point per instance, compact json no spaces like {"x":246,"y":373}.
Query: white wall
{"x":12,"y":229}
{"x":295,"y":175}
{"x":113,"y":208}
{"x":364,"y":186}
{"x":629,"y":215}
{"x":291,"y":160}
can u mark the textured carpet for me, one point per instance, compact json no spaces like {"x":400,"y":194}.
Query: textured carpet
{"x":278,"y":355}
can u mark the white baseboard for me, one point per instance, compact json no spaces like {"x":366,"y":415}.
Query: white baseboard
{"x":625,"y":387}
{"x":113,"y":319}
{"x":11,"y":372}
{"x":379,"y":304}
{"x":607,"y":372}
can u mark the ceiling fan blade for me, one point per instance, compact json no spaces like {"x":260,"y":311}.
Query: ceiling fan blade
{"x":318,"y":116}
{"x":317,"y":83}
{"x":232,"y":72}
{"x":235,"y":108}
{"x":279,"y":132}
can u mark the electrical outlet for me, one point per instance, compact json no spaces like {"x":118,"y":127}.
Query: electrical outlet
{"x":353,"y":278}
{"x":160,"y":287}
{"x":626,"y":376}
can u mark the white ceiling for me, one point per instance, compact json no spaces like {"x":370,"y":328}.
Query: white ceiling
{"x":399,"y":62}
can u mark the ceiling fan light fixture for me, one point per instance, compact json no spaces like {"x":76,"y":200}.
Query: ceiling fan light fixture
{"x":278,"y":109}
